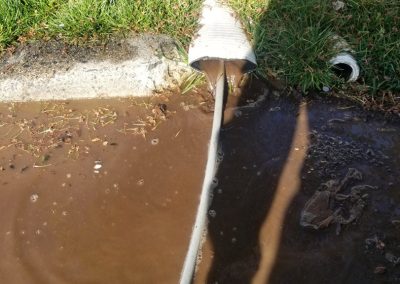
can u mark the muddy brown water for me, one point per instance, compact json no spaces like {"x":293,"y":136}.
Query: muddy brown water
{"x":276,"y":153}
{"x":106,"y":191}
{"x":85,"y":198}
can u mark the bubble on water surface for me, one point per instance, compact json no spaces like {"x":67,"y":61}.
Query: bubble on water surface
{"x":97,"y":167}
{"x":212,"y":213}
{"x":214,"y":182}
{"x":34,"y":197}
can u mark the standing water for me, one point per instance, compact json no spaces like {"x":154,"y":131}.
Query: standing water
{"x":100,"y":191}
{"x":307,"y":193}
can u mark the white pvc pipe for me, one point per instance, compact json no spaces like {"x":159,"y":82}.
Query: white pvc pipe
{"x":347,"y":59}
{"x":220,"y":36}
{"x":201,"y":217}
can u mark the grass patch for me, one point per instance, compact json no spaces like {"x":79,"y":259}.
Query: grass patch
{"x":293,"y":39}
{"x":293,"y":42}
{"x":76,"y":20}
{"x":191,"y":82}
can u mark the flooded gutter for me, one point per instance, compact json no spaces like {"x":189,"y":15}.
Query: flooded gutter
{"x":220,"y":50}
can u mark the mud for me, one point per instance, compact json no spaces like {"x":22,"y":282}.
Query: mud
{"x":100,"y":191}
{"x":277,"y":152}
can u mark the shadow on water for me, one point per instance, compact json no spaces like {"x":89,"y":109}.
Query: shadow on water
{"x":256,"y":142}
{"x":367,"y":249}
{"x":277,"y":152}
{"x":256,"y":145}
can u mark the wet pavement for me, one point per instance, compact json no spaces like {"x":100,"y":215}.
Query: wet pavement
{"x":100,"y":191}
{"x":285,"y":161}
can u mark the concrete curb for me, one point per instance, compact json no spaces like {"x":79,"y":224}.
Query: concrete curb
{"x":135,"y":66}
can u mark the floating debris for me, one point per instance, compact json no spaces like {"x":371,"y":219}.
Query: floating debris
{"x":34,"y":197}
{"x":380,"y":269}
{"x":41,"y":166}
{"x":326,"y":206}
{"x":24,"y":169}
{"x":392,"y":258}
{"x":277,"y":108}
{"x":212,"y":213}
{"x":375,"y":242}
{"x":97,"y":166}
{"x":237,"y":113}
{"x":214,"y":182}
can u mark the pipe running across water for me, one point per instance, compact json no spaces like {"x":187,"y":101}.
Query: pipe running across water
{"x":201,"y":217}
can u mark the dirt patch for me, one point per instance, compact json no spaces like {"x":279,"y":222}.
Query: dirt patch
{"x":100,"y":191}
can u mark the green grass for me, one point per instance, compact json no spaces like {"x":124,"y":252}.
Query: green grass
{"x":191,"y":82}
{"x":74,"y":20}
{"x":293,"y":41}
{"x":292,"y":38}
{"x":19,"y":18}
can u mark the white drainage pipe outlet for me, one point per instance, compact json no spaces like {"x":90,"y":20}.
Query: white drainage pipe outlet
{"x":344,"y":64}
{"x":220,"y":45}
{"x":221,"y":36}
{"x":347,"y":65}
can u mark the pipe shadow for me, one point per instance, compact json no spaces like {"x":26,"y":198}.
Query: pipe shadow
{"x":258,"y":177}
{"x":256,"y":141}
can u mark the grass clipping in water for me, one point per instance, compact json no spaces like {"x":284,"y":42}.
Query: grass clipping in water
{"x":58,"y":125}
